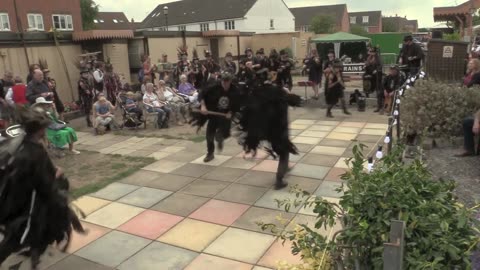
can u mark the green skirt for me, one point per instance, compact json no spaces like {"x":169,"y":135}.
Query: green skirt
{"x":61,"y":137}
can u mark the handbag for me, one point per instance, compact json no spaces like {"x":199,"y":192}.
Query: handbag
{"x":56,"y":126}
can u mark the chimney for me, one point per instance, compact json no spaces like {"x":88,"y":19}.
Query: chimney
{"x":133,"y":20}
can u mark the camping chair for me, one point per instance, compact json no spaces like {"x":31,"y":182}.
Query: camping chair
{"x":149,"y":116}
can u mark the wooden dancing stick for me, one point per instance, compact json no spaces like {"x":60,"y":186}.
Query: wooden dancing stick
{"x":211,"y":113}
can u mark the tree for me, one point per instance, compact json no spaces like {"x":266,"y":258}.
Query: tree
{"x":358,"y":30}
{"x":388,"y":26}
{"x":89,"y":12}
{"x":322,"y":24}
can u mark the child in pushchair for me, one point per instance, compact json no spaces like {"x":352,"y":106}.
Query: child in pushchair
{"x":132,"y":115}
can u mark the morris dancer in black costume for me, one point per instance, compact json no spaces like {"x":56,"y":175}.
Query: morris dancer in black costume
{"x":34,"y":201}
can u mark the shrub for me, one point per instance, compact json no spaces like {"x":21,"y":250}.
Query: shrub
{"x":440,"y":232}
{"x":437,"y":109}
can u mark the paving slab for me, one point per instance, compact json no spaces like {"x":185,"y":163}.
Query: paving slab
{"x":310,"y":171}
{"x":88,"y":204}
{"x":328,"y":189}
{"x":224,"y":174}
{"x":180,"y":204}
{"x":219,"y":160}
{"x":210,"y":262}
{"x":75,"y":262}
{"x":114,"y":191}
{"x":145,"y":197}
{"x":80,"y":240}
{"x":328,"y":150}
{"x":141,"y":178}
{"x":238,"y":193}
{"x":204,"y":188}
{"x":220,"y":212}
{"x":241,"y":163}
{"x":114,"y":215}
{"x":193,"y":170}
{"x":257,"y":178}
{"x":150,"y":224}
{"x":164,"y":166}
{"x":252,"y":216}
{"x":280,"y":252}
{"x":170,"y":182}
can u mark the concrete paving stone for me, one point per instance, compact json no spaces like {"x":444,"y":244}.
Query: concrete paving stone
{"x":300,"y":127}
{"x":150,"y":224}
{"x":250,"y":219}
{"x":113,"y":248}
{"x":328,"y":189}
{"x":376,"y":126}
{"x":107,"y":150}
{"x":240,"y":163}
{"x":164,"y":166}
{"x":78,"y":263}
{"x":261,"y":268}
{"x":113,"y":215}
{"x":369,"y":138}
{"x":169,"y":142}
{"x":321,"y":128}
{"x":352,"y":124}
{"x":51,"y":257}
{"x":184,"y":143}
{"x":88,"y":204}
{"x":184,"y":156}
{"x":155,"y":147}
{"x":352,"y":130}
{"x":170,"y":182}
{"x":180,"y":204}
{"x":309,"y":210}
{"x":192,"y":234}
{"x":314,"y":134}
{"x":241,"y":245}
{"x":309,"y":171}
{"x":204,"y":188}
{"x":159,"y":256}
{"x":310,"y":222}
{"x":295,"y":158}
{"x":173,"y":149}
{"x":257,"y":178}
{"x":209,"y":262}
{"x":342,"y":163}
{"x":335,"y":143}
{"x":80,"y":240}
{"x":303,"y":122}
{"x":270,"y":198}
{"x":193,"y":170}
{"x":280,"y":252}
{"x":145,"y":197}
{"x":327,"y":123}
{"x":319,"y":160}
{"x":224,"y":174}
{"x":114,"y":191}
{"x":303,"y":183}
{"x":270,"y":166}
{"x":378,"y":132}
{"x":159,"y":155}
{"x":306,"y":140}
{"x":241,"y":194}
{"x":341,"y":136}
{"x":335,"y":174}
{"x":219,"y":212}
{"x":141,"y":178}
{"x":260,"y":154}
{"x":305,"y":148}
{"x":295,"y":132}
{"x":328,"y":150}
{"x":219,"y":160}
{"x":141,"y":153}
{"x":231,"y":150}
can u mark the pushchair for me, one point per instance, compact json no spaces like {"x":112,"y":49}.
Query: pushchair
{"x":130,"y":119}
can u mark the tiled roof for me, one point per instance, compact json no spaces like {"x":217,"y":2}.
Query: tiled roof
{"x":304,"y":15}
{"x":112,"y":21}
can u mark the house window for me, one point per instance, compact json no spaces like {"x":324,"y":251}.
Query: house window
{"x":204,"y":27}
{"x":115,"y":21}
{"x":4,"y":22}
{"x":35,"y":22}
{"x":229,"y":25}
{"x":272,"y":24}
{"x":95,"y":21}
{"x":63,"y":22}
{"x":305,"y":28}
{"x":182,"y":28}
{"x":365,"y":19}
{"x":353,"y":20}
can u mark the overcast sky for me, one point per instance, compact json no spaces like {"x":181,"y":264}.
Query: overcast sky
{"x":421,"y":10}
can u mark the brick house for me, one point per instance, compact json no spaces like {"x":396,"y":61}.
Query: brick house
{"x":40,"y":15}
{"x":400,"y":24}
{"x":371,"y":21}
{"x":304,"y":16}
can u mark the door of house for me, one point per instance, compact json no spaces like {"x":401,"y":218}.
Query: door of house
{"x":214,"y":48}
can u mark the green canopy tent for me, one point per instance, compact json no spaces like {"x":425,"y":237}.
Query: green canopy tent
{"x":338,"y":38}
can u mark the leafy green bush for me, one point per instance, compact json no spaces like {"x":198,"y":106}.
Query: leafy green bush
{"x":440,"y":232}
{"x":438,"y":109}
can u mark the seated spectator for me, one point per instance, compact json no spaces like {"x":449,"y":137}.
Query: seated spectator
{"x":5,"y":83}
{"x":153,"y":104}
{"x":393,"y":81}
{"x":471,"y":127}
{"x":103,"y":113}
{"x":132,"y":106}
{"x":58,"y":133}
{"x":175,"y":102}
{"x":38,"y":88}
{"x":146,"y":79}
{"x":187,"y":89}
{"x":16,"y":94}
{"x":472,"y":77}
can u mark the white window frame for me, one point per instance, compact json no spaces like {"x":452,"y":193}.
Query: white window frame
{"x":305,"y":28}
{"x":230,"y":25}
{"x":365,"y":19}
{"x":35,"y":24}
{"x":2,"y":28}
{"x":66,"y":18}
{"x":353,"y":19}
{"x":182,"y":28}
{"x":204,"y":27}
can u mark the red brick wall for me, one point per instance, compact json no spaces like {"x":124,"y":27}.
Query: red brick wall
{"x":374,"y":29}
{"x":345,"y":27}
{"x":44,"y":7}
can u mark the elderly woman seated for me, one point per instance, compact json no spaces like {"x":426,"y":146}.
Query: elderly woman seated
{"x":187,"y":89}
{"x":153,"y":104}
{"x":103,"y":113}
{"x":175,"y":102}
{"x":58,"y":133}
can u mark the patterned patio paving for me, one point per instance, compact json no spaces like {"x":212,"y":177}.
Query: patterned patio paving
{"x":179,"y":213}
